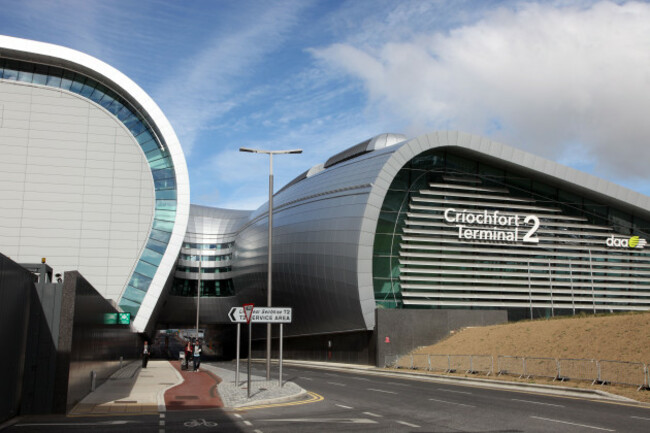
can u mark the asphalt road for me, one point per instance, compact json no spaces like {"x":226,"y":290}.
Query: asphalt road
{"x":348,"y":401}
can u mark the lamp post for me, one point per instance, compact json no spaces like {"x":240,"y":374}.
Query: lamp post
{"x":269,"y":271}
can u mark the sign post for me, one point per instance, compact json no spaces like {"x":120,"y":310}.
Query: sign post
{"x":249,"y":314}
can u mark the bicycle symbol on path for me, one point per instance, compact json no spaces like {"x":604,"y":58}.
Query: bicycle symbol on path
{"x":200,"y":422}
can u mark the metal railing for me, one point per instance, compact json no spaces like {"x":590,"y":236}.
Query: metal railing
{"x":602,"y":372}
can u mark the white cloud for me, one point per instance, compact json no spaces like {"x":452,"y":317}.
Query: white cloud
{"x":554,"y":80}
{"x":206,"y":83}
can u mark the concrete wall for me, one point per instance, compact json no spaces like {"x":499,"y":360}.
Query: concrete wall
{"x":408,"y":329}
{"x":16,"y":289}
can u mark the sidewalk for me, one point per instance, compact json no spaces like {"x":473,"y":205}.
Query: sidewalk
{"x":131,"y":390}
{"x":163,"y":386}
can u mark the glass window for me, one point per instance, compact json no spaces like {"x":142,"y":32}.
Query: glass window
{"x":151,"y":256}
{"x":162,"y":163}
{"x":160,"y":235}
{"x":77,"y":83}
{"x":88,"y":88}
{"x":157,"y":246}
{"x":140,"y":281}
{"x":129,"y":306}
{"x":165,"y":184}
{"x":67,"y":79}
{"x":98,"y":93}
{"x":26,"y":74}
{"x":40,"y":75}
{"x":166,"y":194}
{"x":167,"y":226}
{"x":165,"y":215}
{"x":166,"y":204}
{"x":146,"y":269}
{"x":165,"y":173}
{"x":134,"y":294}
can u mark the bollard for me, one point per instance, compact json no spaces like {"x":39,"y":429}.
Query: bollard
{"x":93,"y":379}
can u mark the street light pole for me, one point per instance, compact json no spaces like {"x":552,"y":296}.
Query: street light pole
{"x":269,"y":281}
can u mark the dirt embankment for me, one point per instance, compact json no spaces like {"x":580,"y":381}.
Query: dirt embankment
{"x":616,"y":337}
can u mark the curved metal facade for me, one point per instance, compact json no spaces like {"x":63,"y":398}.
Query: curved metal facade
{"x":45,"y":66}
{"x":327,"y":266}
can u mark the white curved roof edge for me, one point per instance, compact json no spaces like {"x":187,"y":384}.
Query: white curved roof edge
{"x":176,"y":152}
{"x":385,"y":140}
{"x":525,"y":161}
{"x":315,"y":169}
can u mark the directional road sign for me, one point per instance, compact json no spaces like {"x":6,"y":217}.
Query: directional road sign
{"x":262,"y":315}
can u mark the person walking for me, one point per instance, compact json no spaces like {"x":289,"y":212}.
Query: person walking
{"x":197,"y":355}
{"x":188,"y":354}
{"x":145,"y":355}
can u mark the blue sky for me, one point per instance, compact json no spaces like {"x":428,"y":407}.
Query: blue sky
{"x":567,"y":80}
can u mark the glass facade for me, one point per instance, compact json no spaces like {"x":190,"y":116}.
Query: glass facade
{"x":209,"y":288}
{"x":454,"y":232}
{"x":154,"y":148}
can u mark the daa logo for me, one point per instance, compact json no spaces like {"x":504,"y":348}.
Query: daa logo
{"x":633,"y":242}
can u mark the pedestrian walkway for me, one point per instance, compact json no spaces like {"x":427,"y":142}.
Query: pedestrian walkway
{"x":164,"y":386}
{"x":131,"y":389}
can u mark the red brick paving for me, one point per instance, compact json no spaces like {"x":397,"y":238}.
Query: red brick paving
{"x":198,"y":391}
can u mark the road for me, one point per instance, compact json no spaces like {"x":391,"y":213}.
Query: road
{"x":349,"y":401}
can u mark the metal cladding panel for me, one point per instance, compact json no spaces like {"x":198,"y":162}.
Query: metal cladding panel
{"x":317,"y":232}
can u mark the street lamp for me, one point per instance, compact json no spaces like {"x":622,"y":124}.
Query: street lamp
{"x":269,"y":281}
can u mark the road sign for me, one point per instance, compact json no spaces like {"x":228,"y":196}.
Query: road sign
{"x":248,"y":312}
{"x":261,"y":315}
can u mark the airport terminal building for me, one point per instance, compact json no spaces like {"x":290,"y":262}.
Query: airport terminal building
{"x":445,"y":224}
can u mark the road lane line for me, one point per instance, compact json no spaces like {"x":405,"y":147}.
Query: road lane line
{"x":451,"y":402}
{"x":454,"y":391}
{"x":381,"y":390}
{"x":640,"y":417}
{"x":376,"y":415}
{"x":398,"y":384}
{"x":305,"y":378}
{"x":408,"y":424}
{"x":248,"y":423}
{"x":361,"y":378}
{"x":571,"y":423}
{"x":537,"y":402}
{"x":337,"y":383}
{"x":343,"y":406}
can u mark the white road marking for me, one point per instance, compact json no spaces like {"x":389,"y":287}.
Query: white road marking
{"x":238,"y":415}
{"x":537,"y":402}
{"x":451,"y":402}
{"x":343,"y":406}
{"x":305,"y":378}
{"x":331,"y":374}
{"x":373,"y":414}
{"x":326,"y":420}
{"x":337,"y":383}
{"x":398,"y":384}
{"x":257,"y":431}
{"x":162,"y":415}
{"x":408,"y":424}
{"x":72,"y":424}
{"x":161,"y":423}
{"x":361,"y":378}
{"x":571,"y":423}
{"x":640,"y":417}
{"x":454,"y":391}
{"x":248,"y":423}
{"x":381,"y":390}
